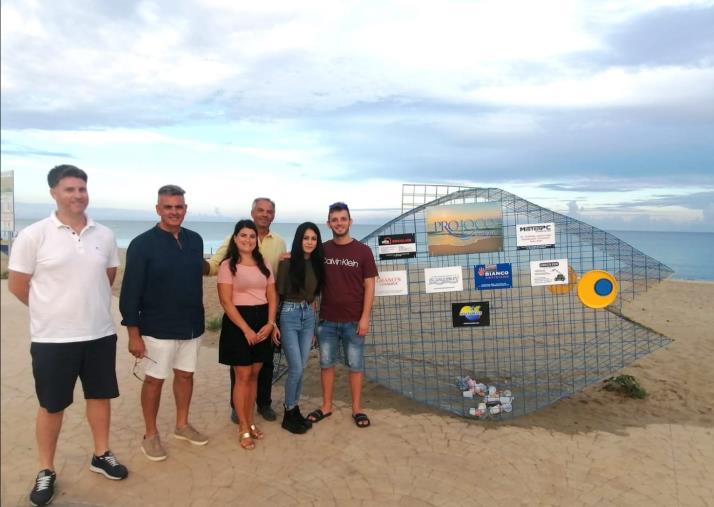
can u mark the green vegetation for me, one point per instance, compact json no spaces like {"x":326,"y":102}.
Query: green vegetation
{"x":214,"y":323}
{"x":627,"y":385}
{"x":3,"y":275}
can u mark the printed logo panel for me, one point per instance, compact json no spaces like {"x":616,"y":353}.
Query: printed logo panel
{"x":535,"y":236}
{"x":391,"y":283}
{"x":464,"y":228}
{"x":549,"y":272}
{"x":449,"y":279}
{"x":493,"y":276}
{"x":473,"y":313}
{"x":396,"y":246}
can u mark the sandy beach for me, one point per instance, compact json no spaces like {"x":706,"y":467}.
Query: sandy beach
{"x":594,"y":448}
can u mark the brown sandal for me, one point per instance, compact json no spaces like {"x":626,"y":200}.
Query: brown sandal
{"x":256,"y":433}
{"x":242,"y":437}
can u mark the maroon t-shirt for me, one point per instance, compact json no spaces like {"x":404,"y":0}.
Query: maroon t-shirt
{"x":346,"y":267}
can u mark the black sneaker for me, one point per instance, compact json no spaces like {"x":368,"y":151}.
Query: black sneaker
{"x":108,"y":465}
{"x":267,"y":413}
{"x":44,"y":490}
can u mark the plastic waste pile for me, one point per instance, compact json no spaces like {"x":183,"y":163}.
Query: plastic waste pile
{"x":489,"y":400}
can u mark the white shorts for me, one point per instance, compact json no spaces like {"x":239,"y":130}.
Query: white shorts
{"x":167,"y":355}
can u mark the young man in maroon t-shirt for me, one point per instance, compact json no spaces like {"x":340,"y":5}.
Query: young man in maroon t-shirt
{"x":347,"y":297}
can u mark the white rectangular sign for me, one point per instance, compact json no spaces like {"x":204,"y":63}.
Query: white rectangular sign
{"x":535,"y":236}
{"x":397,"y":249}
{"x":7,"y":205}
{"x":396,"y":246}
{"x":392,"y":283}
{"x":448,"y":279}
{"x":549,"y":272}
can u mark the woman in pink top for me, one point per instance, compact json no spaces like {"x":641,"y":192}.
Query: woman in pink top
{"x":246,"y":289}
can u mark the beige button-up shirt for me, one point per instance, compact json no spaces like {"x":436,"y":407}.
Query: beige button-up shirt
{"x":271,"y":247}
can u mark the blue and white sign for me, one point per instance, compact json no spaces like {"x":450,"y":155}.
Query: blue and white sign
{"x":493,"y":276}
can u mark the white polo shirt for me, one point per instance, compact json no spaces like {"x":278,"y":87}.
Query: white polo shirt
{"x":70,"y":296}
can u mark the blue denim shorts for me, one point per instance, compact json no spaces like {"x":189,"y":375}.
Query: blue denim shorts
{"x":330,"y":334}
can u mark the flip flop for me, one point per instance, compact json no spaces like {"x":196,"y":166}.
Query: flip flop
{"x":361,"y":420}
{"x":317,"y":415}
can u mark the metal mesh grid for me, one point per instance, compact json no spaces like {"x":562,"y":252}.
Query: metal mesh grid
{"x":280,"y":365}
{"x":539,"y":345}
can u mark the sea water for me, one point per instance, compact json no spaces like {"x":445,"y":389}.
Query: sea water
{"x":213,"y":233}
{"x":689,"y":254}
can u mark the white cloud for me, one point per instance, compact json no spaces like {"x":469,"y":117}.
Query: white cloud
{"x":616,"y":87}
{"x":350,"y":96}
{"x":276,"y":60}
{"x":612,"y":11}
{"x":14,"y":23}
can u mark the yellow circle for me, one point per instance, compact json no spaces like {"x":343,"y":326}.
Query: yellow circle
{"x":587,"y":289}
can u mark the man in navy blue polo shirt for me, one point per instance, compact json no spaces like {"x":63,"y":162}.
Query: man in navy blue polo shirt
{"x":161,"y":304}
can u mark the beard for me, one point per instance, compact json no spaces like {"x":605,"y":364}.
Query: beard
{"x":336,"y":234}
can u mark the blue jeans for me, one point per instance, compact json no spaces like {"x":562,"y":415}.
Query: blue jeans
{"x":297,"y":327}
{"x":331,"y":334}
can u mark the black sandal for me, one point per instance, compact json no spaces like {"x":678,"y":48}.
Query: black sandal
{"x":361,"y":420}
{"x":317,"y":415}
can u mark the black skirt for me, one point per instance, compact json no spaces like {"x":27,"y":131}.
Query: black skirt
{"x":233,"y":348}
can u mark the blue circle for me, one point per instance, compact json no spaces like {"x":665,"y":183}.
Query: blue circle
{"x":603,"y":287}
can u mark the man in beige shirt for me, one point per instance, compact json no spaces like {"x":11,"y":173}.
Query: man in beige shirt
{"x":271,"y":246}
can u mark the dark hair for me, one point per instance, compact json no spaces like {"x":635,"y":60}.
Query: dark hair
{"x":64,"y":171}
{"x":171,"y":190}
{"x":234,"y":255}
{"x":339,"y":206}
{"x":297,"y":258}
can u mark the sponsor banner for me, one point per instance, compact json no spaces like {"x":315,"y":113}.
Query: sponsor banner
{"x":464,"y":228}
{"x":7,"y":205}
{"x":551,"y":272}
{"x":391,"y":283}
{"x":447,"y":279}
{"x":493,"y":276}
{"x":396,"y":246}
{"x":535,"y":236}
{"x":470,"y":314}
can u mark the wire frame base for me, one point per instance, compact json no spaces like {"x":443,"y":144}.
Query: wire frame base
{"x":539,"y":345}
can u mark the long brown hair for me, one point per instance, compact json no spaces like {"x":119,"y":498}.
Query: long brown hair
{"x":233,"y":255}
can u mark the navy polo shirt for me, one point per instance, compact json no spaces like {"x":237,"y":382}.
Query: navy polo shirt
{"x":162,"y":290}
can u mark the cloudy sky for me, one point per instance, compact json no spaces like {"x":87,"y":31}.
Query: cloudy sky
{"x":601,"y":109}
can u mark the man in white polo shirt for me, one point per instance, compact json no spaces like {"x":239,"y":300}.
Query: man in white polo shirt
{"x":63,"y":267}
